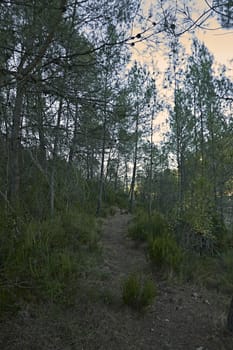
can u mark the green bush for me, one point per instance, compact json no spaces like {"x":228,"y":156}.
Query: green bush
{"x":202,"y":270}
{"x":82,"y":227}
{"x":117,"y":198}
{"x":165,"y":253}
{"x":226,"y":265}
{"x":145,"y":227}
{"x":43,"y":258}
{"x":215,"y":272}
{"x":7,"y":299}
{"x":138,"y":229}
{"x":220,"y":233}
{"x":137,"y":293}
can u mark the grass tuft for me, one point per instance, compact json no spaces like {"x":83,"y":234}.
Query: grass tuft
{"x":137,"y":293}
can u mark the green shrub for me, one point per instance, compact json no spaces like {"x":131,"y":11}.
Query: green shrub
{"x":227,"y":261}
{"x":82,"y":227}
{"x":7,"y":299}
{"x":202,"y":270}
{"x":226,"y":265}
{"x":43,"y":258}
{"x":112,"y":210}
{"x":148,"y":293}
{"x":219,"y":230}
{"x":138,"y":229}
{"x":145,"y":227}
{"x":137,"y":293}
{"x":215,"y":272}
{"x":165,"y":253}
{"x":117,"y":198}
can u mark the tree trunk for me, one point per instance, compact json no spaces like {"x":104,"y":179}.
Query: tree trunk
{"x":151,"y":165}
{"x":116,"y":173}
{"x":55,"y":147}
{"x":42,"y":142}
{"x":213,"y":158}
{"x":133,"y":181}
{"x":92,"y":163}
{"x":74,"y":139}
{"x":126,"y":183}
{"x":101,"y":183}
{"x":16,"y":146}
{"x":230,"y":317}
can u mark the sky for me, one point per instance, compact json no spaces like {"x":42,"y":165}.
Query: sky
{"x":219,"y":42}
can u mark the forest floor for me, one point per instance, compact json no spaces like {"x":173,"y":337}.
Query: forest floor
{"x":185,"y":317}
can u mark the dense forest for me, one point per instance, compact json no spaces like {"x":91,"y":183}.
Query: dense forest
{"x":78,"y":140}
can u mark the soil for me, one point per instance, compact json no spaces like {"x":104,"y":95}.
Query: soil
{"x":182,"y":316}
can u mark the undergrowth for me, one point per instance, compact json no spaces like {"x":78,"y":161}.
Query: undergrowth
{"x":163,"y":250}
{"x":167,"y":255}
{"x":137,"y":292}
{"x":145,"y":227}
{"x":43,"y":259}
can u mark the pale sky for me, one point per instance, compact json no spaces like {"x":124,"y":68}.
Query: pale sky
{"x":219,"y":42}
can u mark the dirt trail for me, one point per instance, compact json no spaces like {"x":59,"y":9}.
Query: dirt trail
{"x":120,"y":255}
{"x":181,"y":318}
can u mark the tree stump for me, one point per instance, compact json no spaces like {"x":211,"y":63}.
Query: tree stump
{"x":230,"y":317}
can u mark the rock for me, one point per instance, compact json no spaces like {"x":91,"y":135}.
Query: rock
{"x":195,"y":295}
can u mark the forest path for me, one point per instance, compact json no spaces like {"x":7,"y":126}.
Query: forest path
{"x":181,"y":317}
{"x":120,"y":254}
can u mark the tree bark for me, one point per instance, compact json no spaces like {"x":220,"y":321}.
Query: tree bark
{"x":16,"y":146}
{"x":116,"y":173}
{"x":42,"y":141}
{"x":151,"y":164}
{"x":101,"y":183}
{"x":55,"y":148}
{"x":230,"y":317}
{"x":74,"y":139}
{"x":133,"y":181}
